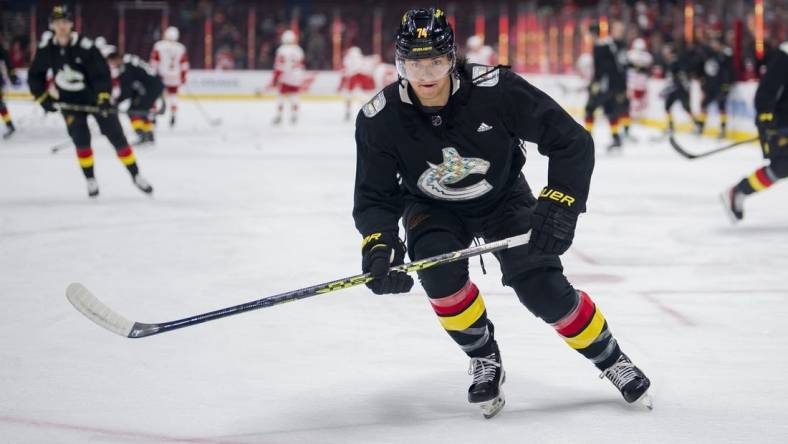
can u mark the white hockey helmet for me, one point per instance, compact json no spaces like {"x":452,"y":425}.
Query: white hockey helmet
{"x":288,"y":37}
{"x":639,"y":44}
{"x":474,"y":42}
{"x":354,"y":51}
{"x":172,"y":34}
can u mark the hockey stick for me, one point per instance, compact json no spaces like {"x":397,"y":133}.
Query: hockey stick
{"x":212,"y":121}
{"x":61,"y":146}
{"x":92,"y":109}
{"x":679,"y":149}
{"x":90,"y":306}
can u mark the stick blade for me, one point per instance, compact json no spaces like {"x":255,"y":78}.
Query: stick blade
{"x":95,"y":310}
{"x":679,"y":149}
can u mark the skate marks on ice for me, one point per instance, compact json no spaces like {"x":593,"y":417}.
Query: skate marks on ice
{"x":431,"y":405}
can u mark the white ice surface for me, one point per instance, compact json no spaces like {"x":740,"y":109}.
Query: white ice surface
{"x":246,"y":210}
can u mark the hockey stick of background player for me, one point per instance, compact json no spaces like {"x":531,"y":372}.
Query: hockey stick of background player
{"x":92,"y":109}
{"x":212,"y":121}
{"x":61,"y":146}
{"x":679,"y":149}
{"x":95,"y":109}
{"x":87,"y":304}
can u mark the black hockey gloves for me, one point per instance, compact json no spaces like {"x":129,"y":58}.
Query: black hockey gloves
{"x":104,"y":104}
{"x":553,"y":222}
{"x":46,"y":102}
{"x":380,"y":251}
{"x":771,"y":137}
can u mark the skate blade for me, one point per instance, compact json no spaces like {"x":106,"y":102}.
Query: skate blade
{"x":492,"y":407}
{"x":726,"y":208}
{"x":645,"y":401}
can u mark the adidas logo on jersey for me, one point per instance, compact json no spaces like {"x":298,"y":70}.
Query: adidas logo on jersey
{"x":483,"y":127}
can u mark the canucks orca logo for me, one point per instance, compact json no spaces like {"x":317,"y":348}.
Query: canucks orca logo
{"x":454,"y":168}
{"x":69,"y":79}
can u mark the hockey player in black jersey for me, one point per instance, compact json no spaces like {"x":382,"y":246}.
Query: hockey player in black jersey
{"x":716,"y":79}
{"x":608,"y":87}
{"x":5,"y":64}
{"x":676,"y":68}
{"x":143,"y":87}
{"x":81,"y":79}
{"x":771,"y":107}
{"x":441,"y":149}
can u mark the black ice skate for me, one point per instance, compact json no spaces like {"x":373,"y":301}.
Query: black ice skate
{"x":615,"y":146}
{"x":699,"y":127}
{"x":630,"y":381}
{"x":9,"y":131}
{"x":277,"y":120}
{"x":93,"y":189}
{"x":143,"y":184}
{"x":172,"y":120}
{"x":733,"y":203}
{"x":488,"y":376}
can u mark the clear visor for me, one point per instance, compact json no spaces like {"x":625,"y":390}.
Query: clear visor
{"x":425,"y":70}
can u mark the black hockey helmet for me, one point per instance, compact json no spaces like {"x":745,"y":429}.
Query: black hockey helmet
{"x":424,"y":33}
{"x":60,"y":12}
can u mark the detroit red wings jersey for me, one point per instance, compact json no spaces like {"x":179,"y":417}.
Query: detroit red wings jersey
{"x":170,"y":61}
{"x":289,"y":65}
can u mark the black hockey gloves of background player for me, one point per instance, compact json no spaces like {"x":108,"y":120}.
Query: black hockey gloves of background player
{"x":553,"y":222}
{"x":381,"y":251}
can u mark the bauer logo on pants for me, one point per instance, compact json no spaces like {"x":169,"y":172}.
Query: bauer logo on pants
{"x":435,"y":180}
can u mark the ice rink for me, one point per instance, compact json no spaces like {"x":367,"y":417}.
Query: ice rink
{"x":245,"y":210}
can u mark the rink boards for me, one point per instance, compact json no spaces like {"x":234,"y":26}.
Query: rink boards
{"x":566,"y":89}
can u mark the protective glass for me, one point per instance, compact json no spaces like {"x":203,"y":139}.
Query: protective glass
{"x":425,"y":70}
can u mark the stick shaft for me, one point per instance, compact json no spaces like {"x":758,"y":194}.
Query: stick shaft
{"x":679,"y":149}
{"x":90,"y":306}
{"x":142,"y":330}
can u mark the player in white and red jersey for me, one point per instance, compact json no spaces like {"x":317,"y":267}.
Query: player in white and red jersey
{"x":170,"y":60}
{"x":640,"y":61}
{"x":357,"y":75}
{"x":385,"y":74}
{"x":477,"y":52}
{"x":288,"y":75}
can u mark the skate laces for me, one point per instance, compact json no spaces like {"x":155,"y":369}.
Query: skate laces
{"x":483,"y":369}
{"x":621,"y":373}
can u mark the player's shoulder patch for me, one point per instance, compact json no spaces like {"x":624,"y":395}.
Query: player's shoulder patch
{"x":784,"y":47}
{"x":374,"y":106}
{"x":46,"y":37}
{"x":485,"y":75}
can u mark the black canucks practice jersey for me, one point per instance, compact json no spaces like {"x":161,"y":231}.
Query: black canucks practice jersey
{"x":772,"y":93}
{"x":80,"y":72}
{"x":137,"y":78}
{"x":468,"y":155}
